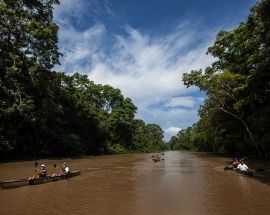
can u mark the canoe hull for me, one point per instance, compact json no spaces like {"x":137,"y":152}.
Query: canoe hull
{"x":45,"y":180}
{"x":13,"y":183}
{"x":249,"y":173}
{"x":25,"y":182}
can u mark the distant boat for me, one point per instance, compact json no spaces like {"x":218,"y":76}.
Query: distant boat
{"x":42,"y":180}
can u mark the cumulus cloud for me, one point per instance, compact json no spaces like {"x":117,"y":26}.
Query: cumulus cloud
{"x":172,"y":130}
{"x":146,"y":67}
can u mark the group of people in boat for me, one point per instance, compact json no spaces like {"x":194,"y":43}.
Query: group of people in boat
{"x":157,"y":158}
{"x":239,"y":165}
{"x":42,"y":172}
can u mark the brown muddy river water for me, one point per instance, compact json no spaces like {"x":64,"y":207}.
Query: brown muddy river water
{"x":184,"y":183}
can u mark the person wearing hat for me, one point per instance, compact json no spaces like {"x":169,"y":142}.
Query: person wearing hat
{"x":66,"y":168}
{"x":242,"y":166}
{"x":43,"y":171}
{"x":63,"y":170}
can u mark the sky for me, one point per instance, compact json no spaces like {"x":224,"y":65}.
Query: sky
{"x":143,"y":47}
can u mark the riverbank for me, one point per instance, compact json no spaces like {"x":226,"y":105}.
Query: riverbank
{"x":76,"y":157}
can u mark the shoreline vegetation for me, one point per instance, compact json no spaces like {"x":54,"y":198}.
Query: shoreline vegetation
{"x":70,"y":158}
{"x":44,"y":113}
{"x":235,"y":115}
{"x":250,"y":158}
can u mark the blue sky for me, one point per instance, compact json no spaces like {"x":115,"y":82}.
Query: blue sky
{"x":143,"y":47}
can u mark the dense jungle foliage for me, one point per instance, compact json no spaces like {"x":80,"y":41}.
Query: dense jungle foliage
{"x":235,"y":116}
{"x":45,"y":113}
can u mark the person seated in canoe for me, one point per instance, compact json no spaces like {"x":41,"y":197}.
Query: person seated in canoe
{"x":35,"y":175}
{"x":156,"y":158}
{"x":242,"y":166}
{"x":63,"y":170}
{"x":39,"y":173}
{"x":43,"y":171}
{"x":234,"y":165}
{"x":66,"y":168}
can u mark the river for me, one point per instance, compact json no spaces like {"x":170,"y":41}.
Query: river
{"x":184,"y":183}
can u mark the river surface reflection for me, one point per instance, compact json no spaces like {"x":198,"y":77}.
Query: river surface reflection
{"x":184,"y":183}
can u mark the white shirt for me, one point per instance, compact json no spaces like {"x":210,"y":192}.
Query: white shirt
{"x":242,"y":167}
{"x":66,"y":169}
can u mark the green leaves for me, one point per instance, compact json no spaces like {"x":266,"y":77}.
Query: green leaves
{"x":27,"y":30}
{"x":44,"y":113}
{"x":237,"y":87}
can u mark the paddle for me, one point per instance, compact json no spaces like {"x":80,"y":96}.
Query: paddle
{"x":36,"y":164}
{"x":55,"y":166}
{"x":35,"y":170}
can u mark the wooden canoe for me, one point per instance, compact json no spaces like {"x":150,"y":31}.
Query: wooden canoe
{"x":249,"y":173}
{"x":43,"y":180}
{"x":13,"y":183}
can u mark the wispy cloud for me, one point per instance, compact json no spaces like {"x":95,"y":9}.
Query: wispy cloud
{"x":146,"y":67}
{"x":70,"y":9}
{"x":183,"y":101}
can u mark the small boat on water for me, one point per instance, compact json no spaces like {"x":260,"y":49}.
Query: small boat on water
{"x":157,"y":158}
{"x":43,"y":180}
{"x":249,"y":173}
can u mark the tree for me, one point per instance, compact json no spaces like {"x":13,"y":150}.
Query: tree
{"x":45,"y":113}
{"x":28,"y":48}
{"x":238,"y":82}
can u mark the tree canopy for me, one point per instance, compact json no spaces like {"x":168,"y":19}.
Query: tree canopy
{"x":47,"y":113}
{"x":235,"y":116}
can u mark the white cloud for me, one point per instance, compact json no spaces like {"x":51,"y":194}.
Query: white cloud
{"x":174,"y":117}
{"x":146,"y":67}
{"x":183,"y":101}
{"x":80,"y":48}
{"x":172,"y":130}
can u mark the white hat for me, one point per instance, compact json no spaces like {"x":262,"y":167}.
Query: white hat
{"x":43,"y":165}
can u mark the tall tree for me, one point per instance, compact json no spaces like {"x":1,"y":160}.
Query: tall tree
{"x":28,"y":49}
{"x":238,"y":82}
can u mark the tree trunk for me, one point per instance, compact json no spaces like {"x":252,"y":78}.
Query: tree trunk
{"x":247,"y":128}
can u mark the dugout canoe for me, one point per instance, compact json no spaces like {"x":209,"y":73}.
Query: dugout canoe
{"x":43,"y":180}
{"x":249,"y":173}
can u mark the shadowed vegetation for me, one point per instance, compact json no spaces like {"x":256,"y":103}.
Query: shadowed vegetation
{"x":45,"y":113}
{"x":235,"y":116}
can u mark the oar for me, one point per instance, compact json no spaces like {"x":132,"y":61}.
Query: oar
{"x":53,"y":175}
{"x":55,"y":166}
{"x":35,"y":170}
{"x":36,"y":164}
